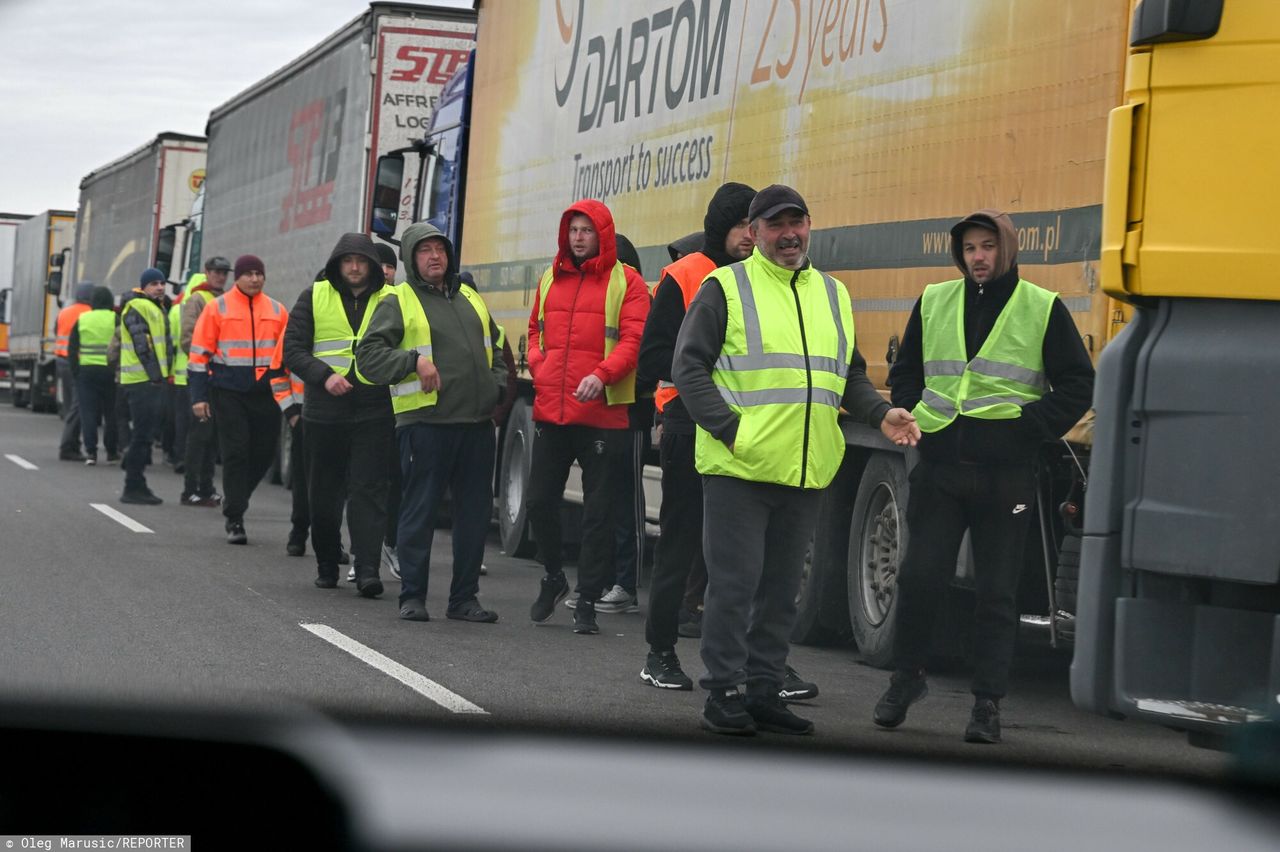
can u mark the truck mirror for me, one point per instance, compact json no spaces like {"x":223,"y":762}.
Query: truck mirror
{"x":54,"y":287}
{"x":386,"y":194}
{"x":164,"y":249}
{"x":57,"y":260}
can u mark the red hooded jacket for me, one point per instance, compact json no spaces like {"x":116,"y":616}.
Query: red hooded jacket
{"x":574,"y":338}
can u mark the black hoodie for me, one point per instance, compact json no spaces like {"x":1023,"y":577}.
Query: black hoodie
{"x":363,"y":402}
{"x":1066,"y":364}
{"x":727,"y":208}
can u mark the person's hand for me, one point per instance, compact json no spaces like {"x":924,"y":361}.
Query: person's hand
{"x":588,"y":389}
{"x":428,"y":375}
{"x":200,"y":410}
{"x":337,"y":385}
{"x":900,"y":427}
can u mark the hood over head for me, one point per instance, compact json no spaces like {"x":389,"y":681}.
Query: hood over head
{"x":1006,"y":239}
{"x":416,"y":233}
{"x":602,"y":219}
{"x":353,"y":243}
{"x":726,"y":209}
{"x":386,"y":255}
{"x":687,"y":244}
{"x":101,"y":298}
{"x":84,"y":291}
{"x":627,"y":253}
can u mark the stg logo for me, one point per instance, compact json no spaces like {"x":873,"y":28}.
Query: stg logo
{"x":437,"y":63}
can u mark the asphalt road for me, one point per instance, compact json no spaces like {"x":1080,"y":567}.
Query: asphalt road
{"x":91,"y":608}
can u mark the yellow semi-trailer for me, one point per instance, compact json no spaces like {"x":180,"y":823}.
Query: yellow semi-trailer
{"x":894,"y":118}
{"x":1180,"y":568}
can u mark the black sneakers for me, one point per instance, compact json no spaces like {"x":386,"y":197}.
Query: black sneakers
{"x":140,"y":496}
{"x":905,"y":689}
{"x":367,"y":587}
{"x":796,"y":689}
{"x":554,"y":589}
{"x":984,"y":722}
{"x":326,"y":582}
{"x":662,"y":669}
{"x":297,"y":544}
{"x":724,"y":713}
{"x":414,"y":611}
{"x":584,"y":618}
{"x":236,"y":533}
{"x":771,"y":714}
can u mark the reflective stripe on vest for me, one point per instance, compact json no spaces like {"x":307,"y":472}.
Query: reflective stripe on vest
{"x":689,"y":272}
{"x":333,"y":341}
{"x":132,"y":371}
{"x":1007,"y":372}
{"x":407,"y":394}
{"x":622,"y":391}
{"x":175,"y":335}
{"x":96,"y":329}
{"x":783,"y":377}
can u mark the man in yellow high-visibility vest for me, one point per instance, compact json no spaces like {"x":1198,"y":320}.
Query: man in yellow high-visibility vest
{"x":764,"y":361}
{"x":992,"y":366}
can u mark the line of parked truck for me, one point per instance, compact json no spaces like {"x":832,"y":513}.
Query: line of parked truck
{"x":893,"y":118}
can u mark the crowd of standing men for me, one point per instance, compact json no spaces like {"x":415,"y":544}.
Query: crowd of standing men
{"x":393,"y":393}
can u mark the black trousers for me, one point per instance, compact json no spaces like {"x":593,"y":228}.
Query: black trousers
{"x":124,"y":430}
{"x":146,"y":404}
{"x":96,"y":395}
{"x":628,"y":513}
{"x":248,"y":432}
{"x":168,"y":422}
{"x":70,"y":441}
{"x":347,"y":465}
{"x":680,"y":541}
{"x":394,"y":489}
{"x":554,"y":450}
{"x":754,"y":535}
{"x":200,"y":452}
{"x":996,"y":505}
{"x":300,"y":514}
{"x":181,"y":421}
{"x":434,"y":458}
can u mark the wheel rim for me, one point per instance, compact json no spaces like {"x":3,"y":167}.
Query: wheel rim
{"x":513,"y":486}
{"x":878,"y":565}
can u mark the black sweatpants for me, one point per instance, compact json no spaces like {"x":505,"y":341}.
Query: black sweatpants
{"x":70,"y":441}
{"x":200,"y":453}
{"x":554,"y":450}
{"x":347,"y":465}
{"x":96,"y":395}
{"x":181,"y":421}
{"x":754,"y":538}
{"x":628,"y":514}
{"x":996,"y":505}
{"x":146,"y":404}
{"x":300,"y":514}
{"x":680,"y":541}
{"x":248,"y":432}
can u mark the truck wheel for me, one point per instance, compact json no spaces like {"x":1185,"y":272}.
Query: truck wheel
{"x":1068,"y":577}
{"x":877,"y":543}
{"x":513,"y":482}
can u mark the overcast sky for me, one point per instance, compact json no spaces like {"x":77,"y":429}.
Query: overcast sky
{"x":83,"y":82}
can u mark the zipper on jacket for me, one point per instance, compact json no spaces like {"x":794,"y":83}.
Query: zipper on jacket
{"x":253,"y":344}
{"x":564,"y":374}
{"x":808,"y":376}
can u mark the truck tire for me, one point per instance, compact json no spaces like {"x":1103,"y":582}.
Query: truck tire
{"x":877,"y":542}
{"x":513,"y":482}
{"x":1068,"y":577}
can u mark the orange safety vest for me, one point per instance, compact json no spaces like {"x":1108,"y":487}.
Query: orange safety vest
{"x":66,"y":322}
{"x":233,"y":332}
{"x":689,"y":272}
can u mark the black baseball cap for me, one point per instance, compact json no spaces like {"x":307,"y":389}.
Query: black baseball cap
{"x":772,"y":200}
{"x":217,"y":263}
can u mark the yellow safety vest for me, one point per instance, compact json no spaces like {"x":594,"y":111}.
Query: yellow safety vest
{"x":131,"y":370}
{"x":1007,"y":372}
{"x":175,"y":330}
{"x":407,"y":394}
{"x":96,"y":328}
{"x":624,"y":390}
{"x":334,"y":342}
{"x":784,"y":380}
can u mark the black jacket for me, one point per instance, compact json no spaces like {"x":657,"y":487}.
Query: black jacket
{"x":972,"y":440}
{"x":363,"y":402}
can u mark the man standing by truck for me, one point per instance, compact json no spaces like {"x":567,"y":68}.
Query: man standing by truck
{"x":348,"y":423}
{"x":144,"y":367}
{"x":199,"y":451}
{"x":69,"y":446}
{"x":584,"y":341}
{"x":991,"y":366}
{"x":764,"y":361}
{"x":726,"y":239}
{"x":88,"y":351}
{"x":230,"y":377}
{"x":434,"y":342}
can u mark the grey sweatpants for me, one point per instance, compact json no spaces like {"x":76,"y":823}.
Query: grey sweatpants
{"x":753,"y":538}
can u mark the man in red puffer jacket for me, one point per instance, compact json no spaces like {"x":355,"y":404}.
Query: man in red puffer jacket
{"x":584,"y":340}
